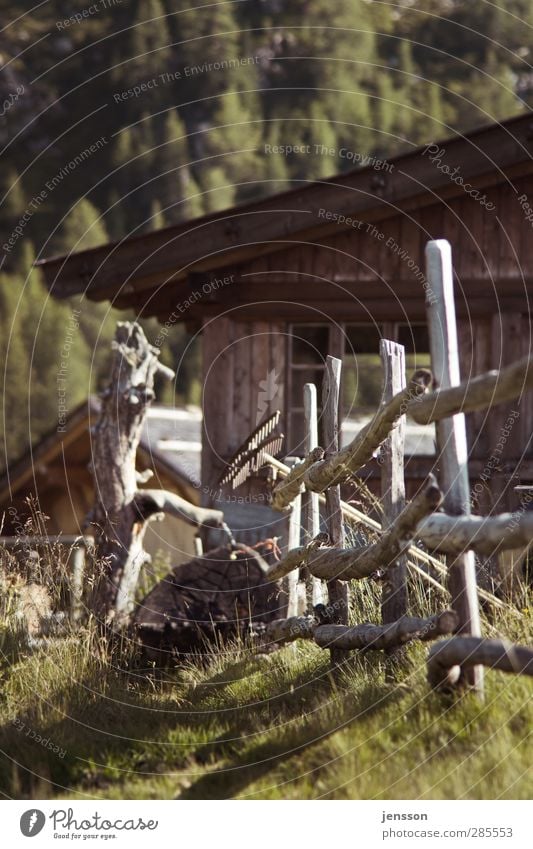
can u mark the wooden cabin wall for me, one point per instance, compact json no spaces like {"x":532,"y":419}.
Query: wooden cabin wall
{"x":353,"y":275}
{"x":239,"y":358}
{"x":243,"y":382}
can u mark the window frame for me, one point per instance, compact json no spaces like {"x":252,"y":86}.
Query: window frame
{"x":336,"y":347}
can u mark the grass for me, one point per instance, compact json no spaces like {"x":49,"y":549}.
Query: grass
{"x":78,"y":720}
{"x":249,"y":726}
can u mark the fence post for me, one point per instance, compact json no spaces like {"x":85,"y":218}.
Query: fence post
{"x":394,"y":594}
{"x":293,"y":541}
{"x":313,"y":586}
{"x":337,"y":590}
{"x":77,"y":572}
{"x":451,"y":439}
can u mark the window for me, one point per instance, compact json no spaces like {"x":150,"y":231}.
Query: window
{"x":415,"y":339}
{"x":309,"y":347}
{"x":361,"y":368}
{"x":362,"y":376}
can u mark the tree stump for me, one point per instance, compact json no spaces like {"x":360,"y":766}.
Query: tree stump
{"x":121,"y":509}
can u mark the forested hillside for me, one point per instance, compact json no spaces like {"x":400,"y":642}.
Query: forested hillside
{"x":121,"y":117}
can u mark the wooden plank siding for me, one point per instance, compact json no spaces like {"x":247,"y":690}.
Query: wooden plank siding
{"x":359,"y":275}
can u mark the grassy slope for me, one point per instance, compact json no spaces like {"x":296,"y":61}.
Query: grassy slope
{"x":275,"y":726}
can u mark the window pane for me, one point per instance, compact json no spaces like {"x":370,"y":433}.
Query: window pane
{"x":415,"y":339}
{"x":296,"y":446}
{"x":310,"y":343}
{"x":299,"y":377}
{"x":362,"y":338}
{"x":362,"y":383}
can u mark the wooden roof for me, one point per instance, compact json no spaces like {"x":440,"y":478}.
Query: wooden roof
{"x":151,"y":270}
{"x":72,"y":447}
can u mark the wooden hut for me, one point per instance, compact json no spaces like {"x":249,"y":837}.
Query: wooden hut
{"x":55,"y":474}
{"x":331,"y":266}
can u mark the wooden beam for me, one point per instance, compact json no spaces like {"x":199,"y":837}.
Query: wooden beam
{"x":394,"y":587}
{"x":478,"y":393}
{"x":235,"y":235}
{"x":486,"y":535}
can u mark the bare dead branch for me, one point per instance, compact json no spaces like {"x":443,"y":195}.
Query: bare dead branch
{"x":340,"y":466}
{"x":151,"y":501}
{"x":286,"y":491}
{"x":318,"y":474}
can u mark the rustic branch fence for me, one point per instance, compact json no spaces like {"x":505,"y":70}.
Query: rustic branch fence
{"x":453,"y":533}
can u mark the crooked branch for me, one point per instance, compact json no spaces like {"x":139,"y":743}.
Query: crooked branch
{"x":148,"y":502}
{"x":360,"y":562}
{"x":318,"y":474}
{"x":485,"y":535}
{"x":485,"y":390}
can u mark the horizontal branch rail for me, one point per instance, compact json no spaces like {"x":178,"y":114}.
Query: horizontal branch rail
{"x":288,"y":489}
{"x":365,"y":636}
{"x":386,"y":636}
{"x":349,"y":563}
{"x":354,"y":515}
{"x":485,"y":390}
{"x":317,"y":474}
{"x":485,"y":535}
{"x":477,"y":393}
{"x":446,"y":658}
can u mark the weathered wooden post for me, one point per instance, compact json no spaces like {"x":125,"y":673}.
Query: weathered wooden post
{"x":394,"y":595}
{"x":313,"y":586}
{"x":338,"y":593}
{"x":77,"y":572}
{"x":451,"y":440}
{"x":293,"y":541}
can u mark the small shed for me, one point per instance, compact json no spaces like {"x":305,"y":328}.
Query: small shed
{"x":330,"y":267}
{"x":56,"y":474}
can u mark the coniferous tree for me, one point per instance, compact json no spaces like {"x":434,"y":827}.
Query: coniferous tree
{"x":149,"y":42}
{"x":217,"y":190}
{"x":275,"y":168}
{"x":235,"y":140}
{"x":176,"y":189}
